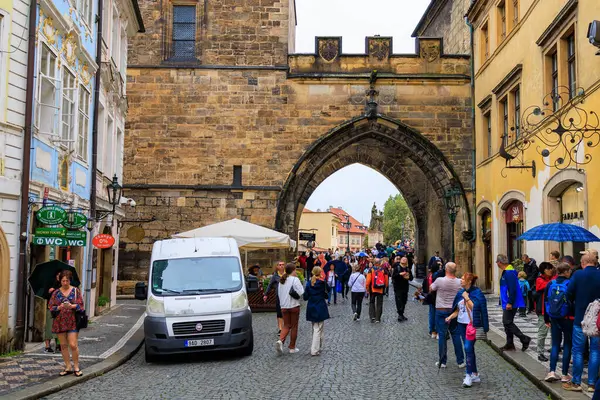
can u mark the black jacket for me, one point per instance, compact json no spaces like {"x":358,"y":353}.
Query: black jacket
{"x":531,"y":269}
{"x":398,"y":280}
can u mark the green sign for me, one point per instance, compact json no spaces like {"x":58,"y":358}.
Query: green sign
{"x":51,"y":215}
{"x":50,"y":232}
{"x":75,"y":220}
{"x":69,"y":238}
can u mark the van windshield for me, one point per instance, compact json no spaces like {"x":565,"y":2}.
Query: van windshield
{"x":199,"y":275}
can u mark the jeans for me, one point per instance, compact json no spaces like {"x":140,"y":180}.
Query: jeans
{"x":579,"y":340}
{"x":470,"y":355}
{"x":376,"y":306}
{"x":561,"y":328}
{"x":432,"y":327}
{"x":317,"y":337}
{"x":541,"y":335}
{"x":345,"y":288}
{"x":442,"y":330}
{"x":401,"y":297}
{"x":357,"y":299}
{"x":290,"y":325}
{"x":331,"y":290}
{"x":597,"y":391}
{"x":512,"y":330}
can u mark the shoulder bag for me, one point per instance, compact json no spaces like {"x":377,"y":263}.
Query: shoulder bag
{"x":293,"y":292}
{"x":81,"y":318}
{"x":471,"y":331}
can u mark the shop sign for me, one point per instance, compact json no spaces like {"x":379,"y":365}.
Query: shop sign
{"x":51,"y":215}
{"x":514,"y":212}
{"x":572,"y":216}
{"x":103,"y":241}
{"x":43,"y":237}
{"x":75,"y":220}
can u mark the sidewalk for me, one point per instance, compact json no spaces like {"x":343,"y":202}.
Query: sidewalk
{"x":108,"y":341}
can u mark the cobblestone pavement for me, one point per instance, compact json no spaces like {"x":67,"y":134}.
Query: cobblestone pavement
{"x":96,"y":343}
{"x":360,"y":360}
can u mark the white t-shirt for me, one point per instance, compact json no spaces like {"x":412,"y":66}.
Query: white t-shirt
{"x":463,"y":317}
{"x":358,"y":282}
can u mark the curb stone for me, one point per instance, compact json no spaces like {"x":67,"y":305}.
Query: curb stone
{"x":61,"y":383}
{"x":533,"y":370}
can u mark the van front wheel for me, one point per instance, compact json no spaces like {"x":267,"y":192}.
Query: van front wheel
{"x":247,"y":351}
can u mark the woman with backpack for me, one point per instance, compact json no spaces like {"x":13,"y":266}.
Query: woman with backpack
{"x":470,"y":307}
{"x":547,"y":273}
{"x":356,"y":283}
{"x":376,"y":284}
{"x":559,"y":316}
{"x":316,"y":309}
{"x":289,"y":291}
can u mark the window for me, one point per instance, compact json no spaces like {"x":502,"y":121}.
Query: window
{"x":48,"y":82}
{"x":517,"y":111}
{"x":332,"y":231}
{"x":184,"y":32}
{"x":69,"y":91}
{"x":485,"y":43}
{"x":115,"y":39}
{"x":515,"y":12}
{"x":85,"y":9}
{"x":554,"y":80}
{"x":571,"y":72}
{"x":504,"y":113}
{"x":502,"y":20}
{"x":63,"y":174}
{"x":101,"y":150}
{"x":487,"y":121}
{"x":119,"y":155}
{"x":108,"y":150}
{"x":237,"y":171}
{"x":84,"y":111}
{"x":123,"y":61}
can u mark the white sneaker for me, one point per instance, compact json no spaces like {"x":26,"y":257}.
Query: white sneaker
{"x":279,"y":347}
{"x":292,"y":351}
{"x":355,"y":317}
{"x":551,"y":377}
{"x":475,"y":378}
{"x":462,"y":365}
{"x":433,"y":336}
{"x":468,"y":382}
{"x":566,"y":378}
{"x":437,"y":364}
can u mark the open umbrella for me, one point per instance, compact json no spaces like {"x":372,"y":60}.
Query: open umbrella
{"x":44,"y":275}
{"x":361,"y":254}
{"x":559,"y":232}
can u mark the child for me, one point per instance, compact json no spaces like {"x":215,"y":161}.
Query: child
{"x":525,"y":289}
{"x":331,"y":281}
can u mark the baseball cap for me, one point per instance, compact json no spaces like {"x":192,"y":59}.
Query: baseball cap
{"x":593,"y":252}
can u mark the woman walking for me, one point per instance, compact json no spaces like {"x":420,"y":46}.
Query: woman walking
{"x":430,"y":299}
{"x":64,"y":303}
{"x":274,"y":283}
{"x":357,"y":284}
{"x":290,"y":290}
{"x":316,"y":309}
{"x":331,"y":283}
{"x":470,"y":307}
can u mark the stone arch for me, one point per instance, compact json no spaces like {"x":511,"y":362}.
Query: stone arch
{"x":503,"y":204}
{"x":4,"y":290}
{"x":401,"y":154}
{"x":510,"y":196}
{"x":483,"y":248}
{"x":482,"y":206}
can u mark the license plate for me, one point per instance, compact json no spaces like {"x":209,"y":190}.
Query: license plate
{"x":199,"y":342}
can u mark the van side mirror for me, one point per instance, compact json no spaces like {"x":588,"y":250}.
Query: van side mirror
{"x":141,"y":291}
{"x":251,"y":284}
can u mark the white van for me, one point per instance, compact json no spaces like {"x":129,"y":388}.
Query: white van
{"x":196,"y":298}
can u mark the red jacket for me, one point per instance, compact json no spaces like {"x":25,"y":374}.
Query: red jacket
{"x":540,"y":288}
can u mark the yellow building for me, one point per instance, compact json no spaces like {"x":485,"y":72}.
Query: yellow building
{"x":525,"y":50}
{"x":324,"y":224}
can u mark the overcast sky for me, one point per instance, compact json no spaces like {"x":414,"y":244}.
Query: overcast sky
{"x":354,"y":20}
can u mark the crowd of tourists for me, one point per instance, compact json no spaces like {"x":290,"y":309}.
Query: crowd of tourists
{"x":564,"y":297}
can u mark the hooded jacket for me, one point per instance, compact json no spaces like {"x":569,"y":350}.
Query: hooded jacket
{"x":479,"y":312}
{"x":510,"y":292}
{"x":541,"y":283}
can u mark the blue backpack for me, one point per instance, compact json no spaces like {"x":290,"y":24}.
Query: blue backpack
{"x":558,"y":304}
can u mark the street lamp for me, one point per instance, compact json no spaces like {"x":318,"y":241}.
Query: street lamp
{"x":114,"y":191}
{"x":347,"y":225}
{"x":452,"y":198}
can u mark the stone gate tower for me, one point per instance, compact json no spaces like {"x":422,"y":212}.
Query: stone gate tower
{"x":226,"y":121}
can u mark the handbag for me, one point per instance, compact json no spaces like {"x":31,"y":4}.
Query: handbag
{"x":471,"y":331}
{"x":81,"y":318}
{"x":293,"y":293}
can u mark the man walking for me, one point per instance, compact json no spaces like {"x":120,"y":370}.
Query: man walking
{"x":582,"y":290}
{"x":377,"y":282}
{"x":531,"y":269}
{"x":512,"y":299}
{"x":401,"y":275}
{"x":447,"y":287}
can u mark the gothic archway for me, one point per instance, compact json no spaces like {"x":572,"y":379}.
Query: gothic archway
{"x":404,"y":156}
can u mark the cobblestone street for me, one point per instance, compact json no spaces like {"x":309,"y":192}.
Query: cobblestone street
{"x":360,"y":360}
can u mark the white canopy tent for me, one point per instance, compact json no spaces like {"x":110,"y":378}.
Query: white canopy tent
{"x":247,"y":235}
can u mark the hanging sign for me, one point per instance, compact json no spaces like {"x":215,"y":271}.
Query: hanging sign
{"x":103,"y":241}
{"x":59,"y":237}
{"x":307,"y":236}
{"x":50,"y":232}
{"x":514,"y":212}
{"x":51,"y":215}
{"x":75,"y":220}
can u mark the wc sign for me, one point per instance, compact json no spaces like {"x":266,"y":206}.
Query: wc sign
{"x":59,"y":237}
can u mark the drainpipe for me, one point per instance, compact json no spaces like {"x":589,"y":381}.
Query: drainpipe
{"x":473,"y":151}
{"x":19,"y":338}
{"x":94,"y":165}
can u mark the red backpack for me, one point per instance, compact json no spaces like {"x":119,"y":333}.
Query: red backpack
{"x":379,"y":278}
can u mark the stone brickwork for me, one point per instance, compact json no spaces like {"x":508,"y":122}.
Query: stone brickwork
{"x":445,"y":19}
{"x":287,"y":129}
